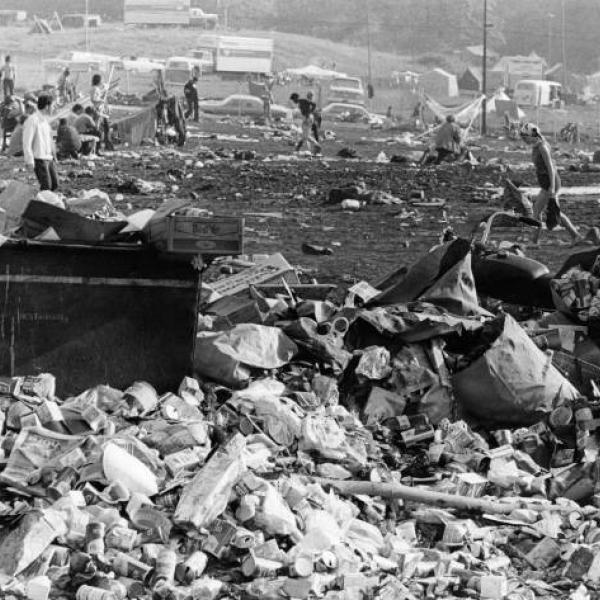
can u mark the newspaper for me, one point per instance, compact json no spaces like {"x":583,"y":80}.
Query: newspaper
{"x":274,"y":267}
{"x":36,"y":447}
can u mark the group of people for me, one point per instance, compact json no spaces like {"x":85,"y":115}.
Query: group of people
{"x":32,"y":136}
{"x":311,"y":122}
{"x":84,"y":128}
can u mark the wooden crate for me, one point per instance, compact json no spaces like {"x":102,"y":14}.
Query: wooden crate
{"x":209,"y":236}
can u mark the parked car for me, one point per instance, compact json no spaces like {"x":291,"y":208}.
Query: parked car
{"x":350,"y":113}
{"x":346,"y":89}
{"x":243,"y":105}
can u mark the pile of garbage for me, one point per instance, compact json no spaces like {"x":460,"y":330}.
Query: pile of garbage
{"x":398,"y":442}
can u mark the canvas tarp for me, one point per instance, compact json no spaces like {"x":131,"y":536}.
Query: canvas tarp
{"x":464,"y":114}
{"x":134,"y":128}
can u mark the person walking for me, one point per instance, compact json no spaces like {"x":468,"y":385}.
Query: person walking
{"x":267,"y":98}
{"x":38,"y":146}
{"x":190,"y":91}
{"x":9,"y":74}
{"x":306,"y":110}
{"x":317,"y":118}
{"x":549,"y":182}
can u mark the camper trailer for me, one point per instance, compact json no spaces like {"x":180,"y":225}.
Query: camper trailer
{"x":243,"y":55}
{"x":538,"y":92}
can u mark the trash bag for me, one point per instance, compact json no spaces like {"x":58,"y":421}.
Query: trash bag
{"x":223,"y":356}
{"x":422,"y":274}
{"x":513,"y":381}
{"x":455,"y":290}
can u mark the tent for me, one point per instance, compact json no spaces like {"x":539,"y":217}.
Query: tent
{"x":593,"y":82}
{"x":471,"y":80}
{"x":500,"y":103}
{"x":138,"y":126}
{"x":314,"y":72}
{"x":439,"y":83}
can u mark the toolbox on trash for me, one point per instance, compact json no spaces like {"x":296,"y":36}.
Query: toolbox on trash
{"x":96,"y":314}
{"x":208,"y":236}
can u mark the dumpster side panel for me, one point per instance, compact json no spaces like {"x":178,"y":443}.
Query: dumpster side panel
{"x":94,"y":315}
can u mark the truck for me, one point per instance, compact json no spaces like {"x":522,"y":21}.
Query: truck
{"x":538,"y":92}
{"x":184,"y":13}
{"x":235,"y":55}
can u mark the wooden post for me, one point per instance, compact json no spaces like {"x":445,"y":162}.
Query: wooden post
{"x":423,"y":496}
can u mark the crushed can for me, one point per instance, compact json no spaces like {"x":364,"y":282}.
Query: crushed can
{"x":252,"y":566}
{"x":192,"y":568}
{"x":88,"y":592}
{"x":121,"y":538}
{"x":94,"y":538}
{"x":164,"y":570}
{"x":127,"y":566}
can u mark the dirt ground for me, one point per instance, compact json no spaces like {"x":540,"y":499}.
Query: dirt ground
{"x":284,"y":199}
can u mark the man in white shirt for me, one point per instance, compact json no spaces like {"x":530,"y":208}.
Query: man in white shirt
{"x":38,"y":145}
{"x":8,"y":73}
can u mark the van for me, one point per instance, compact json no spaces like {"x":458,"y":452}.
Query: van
{"x":346,"y":89}
{"x":538,"y":92}
{"x":205,"y":57}
{"x":179,"y":69}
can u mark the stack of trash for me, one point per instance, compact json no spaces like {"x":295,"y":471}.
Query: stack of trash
{"x":400,"y":443}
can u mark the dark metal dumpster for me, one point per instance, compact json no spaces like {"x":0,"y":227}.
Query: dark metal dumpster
{"x":96,"y":314}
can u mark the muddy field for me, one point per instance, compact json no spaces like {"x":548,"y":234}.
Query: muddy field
{"x":284,"y":198}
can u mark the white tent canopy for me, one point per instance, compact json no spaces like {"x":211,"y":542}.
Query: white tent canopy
{"x":314,"y":72}
{"x":504,"y":99}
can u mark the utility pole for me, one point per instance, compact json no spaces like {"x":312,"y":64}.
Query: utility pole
{"x":484,"y":72}
{"x":550,"y":17}
{"x":87,"y":38}
{"x":563,"y":45}
{"x":369,"y":73}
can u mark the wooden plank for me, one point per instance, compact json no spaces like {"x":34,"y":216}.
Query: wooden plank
{"x":306,"y":291}
{"x":110,"y":281}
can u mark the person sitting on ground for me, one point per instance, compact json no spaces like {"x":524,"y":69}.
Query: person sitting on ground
{"x":76,"y":111}
{"x":549,"y":182}
{"x":85,"y":124}
{"x":190,"y":91}
{"x":68,"y":142}
{"x":306,"y":110}
{"x":448,"y":141}
{"x":15,"y":146}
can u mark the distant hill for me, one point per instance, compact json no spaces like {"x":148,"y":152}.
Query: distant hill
{"x":291,"y":50}
{"x":406,"y":27}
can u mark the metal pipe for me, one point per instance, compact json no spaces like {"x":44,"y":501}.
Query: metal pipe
{"x":484,"y":72}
